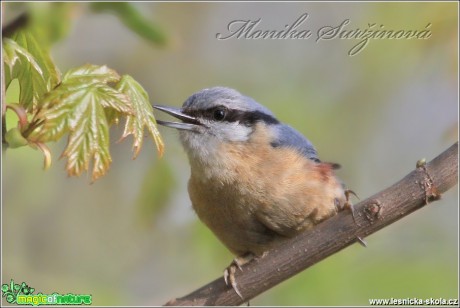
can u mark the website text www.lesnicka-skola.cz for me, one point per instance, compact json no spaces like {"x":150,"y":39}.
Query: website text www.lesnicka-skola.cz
{"x":413,"y":301}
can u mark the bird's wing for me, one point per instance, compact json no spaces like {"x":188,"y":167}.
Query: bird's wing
{"x":289,"y":137}
{"x":296,"y":208}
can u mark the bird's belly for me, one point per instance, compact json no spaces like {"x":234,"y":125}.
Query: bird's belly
{"x":233,"y":213}
{"x":251,"y":201}
{"x":230,"y":216}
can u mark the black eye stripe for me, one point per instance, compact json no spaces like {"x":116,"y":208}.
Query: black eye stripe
{"x":245,"y":117}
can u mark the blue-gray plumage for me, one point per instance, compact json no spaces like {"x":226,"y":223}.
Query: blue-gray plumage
{"x":286,"y":135}
{"x":289,"y":137}
{"x":254,"y":181}
{"x":208,"y":98}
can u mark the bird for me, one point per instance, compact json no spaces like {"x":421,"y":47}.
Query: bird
{"x":254,"y":181}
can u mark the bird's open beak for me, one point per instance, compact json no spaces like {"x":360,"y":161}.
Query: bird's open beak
{"x":188,"y":122}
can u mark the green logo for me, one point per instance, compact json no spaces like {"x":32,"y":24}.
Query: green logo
{"x":12,"y":291}
{"x":22,"y":294}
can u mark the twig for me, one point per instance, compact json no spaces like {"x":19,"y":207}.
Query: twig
{"x":423,"y":185}
{"x":19,"y":22}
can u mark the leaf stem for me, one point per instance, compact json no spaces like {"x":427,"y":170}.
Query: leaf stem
{"x":21,"y":113}
{"x":31,"y":127}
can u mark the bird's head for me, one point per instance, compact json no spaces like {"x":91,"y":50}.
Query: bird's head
{"x":214,"y":116}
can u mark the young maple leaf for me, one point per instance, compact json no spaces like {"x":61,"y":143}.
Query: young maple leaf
{"x":30,"y":62}
{"x":77,"y":107}
{"x":22,"y":65}
{"x":142,"y":117}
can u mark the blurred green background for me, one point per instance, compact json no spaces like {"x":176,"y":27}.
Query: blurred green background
{"x":132,"y":238}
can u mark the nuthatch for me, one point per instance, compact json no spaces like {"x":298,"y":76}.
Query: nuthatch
{"x":254,"y":180}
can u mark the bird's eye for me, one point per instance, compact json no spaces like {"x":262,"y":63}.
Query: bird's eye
{"x":219,"y":113}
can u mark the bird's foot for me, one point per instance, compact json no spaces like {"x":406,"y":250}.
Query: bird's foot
{"x":229,"y":272}
{"x":348,"y":205}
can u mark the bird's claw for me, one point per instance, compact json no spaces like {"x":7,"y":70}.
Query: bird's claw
{"x":229,"y":277}
{"x":229,"y":272}
{"x":349,"y":192}
{"x":348,"y":205}
{"x":361,"y":241}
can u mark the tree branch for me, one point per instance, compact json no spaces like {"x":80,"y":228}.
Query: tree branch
{"x":418,"y":188}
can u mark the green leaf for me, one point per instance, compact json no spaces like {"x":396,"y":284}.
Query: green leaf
{"x":133,"y":19}
{"x":62,"y":101}
{"x":19,"y":63}
{"x":78,"y":107}
{"x":31,"y":64}
{"x":41,"y":54}
{"x":89,"y":136}
{"x":143,"y":117}
{"x":91,"y":73}
{"x":57,"y":108}
{"x":84,"y":105}
{"x":10,"y":56}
